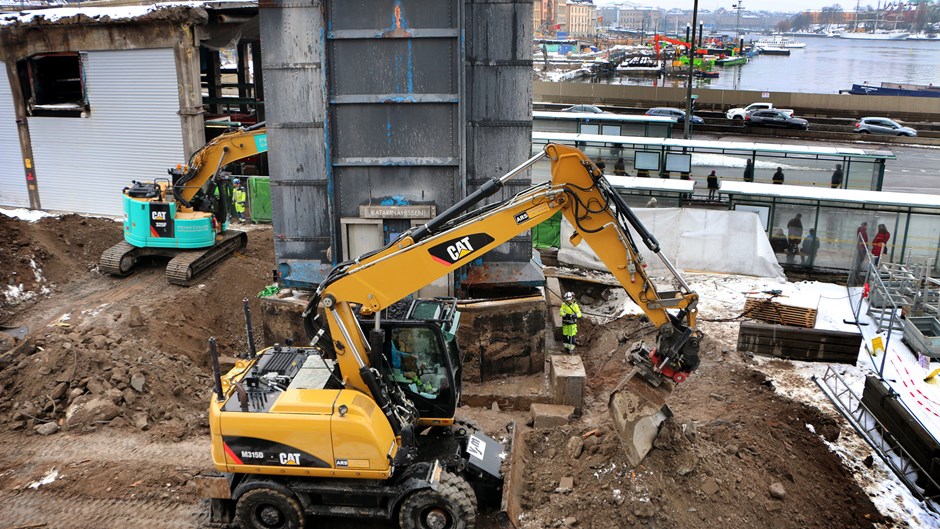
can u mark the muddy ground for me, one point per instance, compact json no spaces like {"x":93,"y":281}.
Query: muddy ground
{"x":111,"y":399}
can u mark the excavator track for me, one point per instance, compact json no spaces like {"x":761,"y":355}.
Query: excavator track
{"x":119,"y":259}
{"x":184,"y":268}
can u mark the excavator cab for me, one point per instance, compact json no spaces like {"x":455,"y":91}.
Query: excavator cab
{"x":422,"y":357}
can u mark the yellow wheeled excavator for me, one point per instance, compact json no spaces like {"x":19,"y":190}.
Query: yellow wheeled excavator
{"x":185,"y":219}
{"x":362,"y":421}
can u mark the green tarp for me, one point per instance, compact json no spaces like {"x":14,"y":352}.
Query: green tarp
{"x":259,"y":198}
{"x":548,"y":233}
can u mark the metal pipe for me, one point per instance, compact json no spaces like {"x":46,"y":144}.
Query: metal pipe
{"x":687,"y":126}
{"x":252,"y":351}
{"x":486,"y":190}
{"x":216,"y":372}
{"x":347,"y":337}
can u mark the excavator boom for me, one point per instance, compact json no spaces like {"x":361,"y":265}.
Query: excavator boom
{"x":459,"y":235}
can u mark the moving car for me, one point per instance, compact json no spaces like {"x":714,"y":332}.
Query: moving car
{"x":883,"y":126}
{"x":675,"y":113}
{"x":585,"y":109}
{"x":775,"y":118}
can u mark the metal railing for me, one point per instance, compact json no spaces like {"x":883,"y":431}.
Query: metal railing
{"x":880,"y":438}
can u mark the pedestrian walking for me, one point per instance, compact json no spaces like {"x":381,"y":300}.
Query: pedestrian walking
{"x":836,"y":177}
{"x":810,"y":247}
{"x":749,"y":171}
{"x":712,"y":181}
{"x":879,"y":243}
{"x":861,"y":238}
{"x":620,"y":168}
{"x":570,"y":313}
{"x":794,"y":236}
{"x":778,"y":176}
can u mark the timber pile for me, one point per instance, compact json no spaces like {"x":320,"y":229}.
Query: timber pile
{"x":799,"y":344}
{"x":771,"y":311}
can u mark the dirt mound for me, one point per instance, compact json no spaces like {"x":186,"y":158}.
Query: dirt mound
{"x":124,"y":352}
{"x":750,"y":458}
{"x":37,"y":256}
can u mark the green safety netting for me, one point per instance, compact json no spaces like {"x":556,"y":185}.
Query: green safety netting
{"x":548,"y":233}
{"x":259,"y":198}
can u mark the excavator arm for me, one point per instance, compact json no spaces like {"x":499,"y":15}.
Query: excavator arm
{"x":206,"y":163}
{"x":459,"y":235}
{"x":676,"y":42}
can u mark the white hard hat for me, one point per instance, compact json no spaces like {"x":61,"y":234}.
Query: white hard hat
{"x":569,"y":296}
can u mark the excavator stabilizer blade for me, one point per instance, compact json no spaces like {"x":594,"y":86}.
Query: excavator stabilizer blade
{"x":638,"y":409}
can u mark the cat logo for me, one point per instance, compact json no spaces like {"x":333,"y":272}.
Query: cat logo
{"x":289,"y":459}
{"x":449,"y":252}
{"x":158,"y":215}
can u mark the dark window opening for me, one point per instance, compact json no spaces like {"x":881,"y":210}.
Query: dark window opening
{"x":54,"y":85}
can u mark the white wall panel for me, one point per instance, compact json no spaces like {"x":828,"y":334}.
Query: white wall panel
{"x":132,"y":133}
{"x":12,"y":177}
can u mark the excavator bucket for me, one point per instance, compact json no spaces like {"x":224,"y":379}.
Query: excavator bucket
{"x":638,"y":408}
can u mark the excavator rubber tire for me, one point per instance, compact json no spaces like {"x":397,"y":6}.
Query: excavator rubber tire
{"x":119,"y":259}
{"x":266,"y":508}
{"x":452,"y":506}
{"x":186,"y":267}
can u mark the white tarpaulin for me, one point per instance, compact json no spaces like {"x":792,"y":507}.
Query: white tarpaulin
{"x":729,"y":242}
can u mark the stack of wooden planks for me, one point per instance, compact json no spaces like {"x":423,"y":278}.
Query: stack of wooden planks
{"x":772,"y":311}
{"x":799,"y":344}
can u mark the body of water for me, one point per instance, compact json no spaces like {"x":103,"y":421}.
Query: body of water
{"x":825,"y":65}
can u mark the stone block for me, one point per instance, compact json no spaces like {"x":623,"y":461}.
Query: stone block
{"x":550,"y":415}
{"x":566,"y":378}
{"x":502,"y":337}
{"x":281,"y":319}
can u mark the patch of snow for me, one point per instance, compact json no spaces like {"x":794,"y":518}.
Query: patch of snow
{"x":29,"y":215}
{"x":45,"y":480}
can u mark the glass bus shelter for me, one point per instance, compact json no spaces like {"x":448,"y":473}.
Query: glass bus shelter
{"x":802,"y":165}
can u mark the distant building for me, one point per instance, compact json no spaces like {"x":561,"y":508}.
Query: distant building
{"x":582,"y":18}
{"x":641,"y":18}
{"x":576,"y":18}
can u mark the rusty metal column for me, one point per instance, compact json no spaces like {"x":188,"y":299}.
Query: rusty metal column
{"x":293,"y":57}
{"x":22,"y":128}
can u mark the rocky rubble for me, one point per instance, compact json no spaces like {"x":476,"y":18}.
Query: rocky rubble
{"x":81,"y":379}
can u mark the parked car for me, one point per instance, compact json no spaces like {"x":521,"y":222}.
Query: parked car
{"x":675,"y":113}
{"x":883,"y":126}
{"x":585,"y":109}
{"x":775,"y":118}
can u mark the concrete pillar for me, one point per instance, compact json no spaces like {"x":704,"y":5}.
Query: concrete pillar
{"x":186,"y":54}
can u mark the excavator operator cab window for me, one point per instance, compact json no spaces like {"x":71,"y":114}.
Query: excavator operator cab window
{"x":417,"y":360}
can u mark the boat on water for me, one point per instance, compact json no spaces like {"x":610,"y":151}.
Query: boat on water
{"x":641,"y":64}
{"x":876,"y":35}
{"x":731,"y":61}
{"x":894,"y":89}
{"x":774,"y":50}
{"x":778,"y":41}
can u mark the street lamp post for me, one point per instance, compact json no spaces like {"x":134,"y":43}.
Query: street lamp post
{"x":687,"y":126}
{"x":738,"y":7}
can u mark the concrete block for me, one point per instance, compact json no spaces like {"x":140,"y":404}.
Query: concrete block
{"x":550,"y":415}
{"x":566,"y":379}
